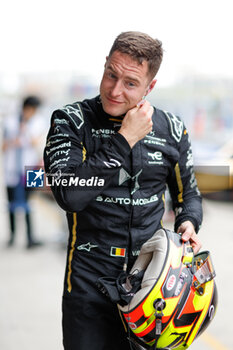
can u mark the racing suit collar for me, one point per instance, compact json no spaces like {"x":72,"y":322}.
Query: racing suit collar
{"x":106,"y":115}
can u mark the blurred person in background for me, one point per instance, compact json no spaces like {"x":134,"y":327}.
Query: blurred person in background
{"x":122,"y":153}
{"x":21,"y":147}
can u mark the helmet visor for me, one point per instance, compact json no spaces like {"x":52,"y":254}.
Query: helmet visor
{"x":204,"y":269}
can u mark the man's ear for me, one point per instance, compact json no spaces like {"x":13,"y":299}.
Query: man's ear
{"x":150,"y":86}
{"x":107,"y":57}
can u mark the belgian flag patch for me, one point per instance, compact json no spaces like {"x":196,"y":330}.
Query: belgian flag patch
{"x":115,"y":251}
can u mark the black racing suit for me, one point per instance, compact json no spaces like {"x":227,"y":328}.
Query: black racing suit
{"x":114,"y":199}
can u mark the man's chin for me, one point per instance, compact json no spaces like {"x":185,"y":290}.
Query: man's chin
{"x":114,"y":111}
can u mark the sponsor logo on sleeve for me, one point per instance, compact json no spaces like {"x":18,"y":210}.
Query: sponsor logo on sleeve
{"x":189,"y":162}
{"x":61,"y":121}
{"x":55,"y":148}
{"x":152,"y":139}
{"x":112,"y":163}
{"x":176,"y":126}
{"x":75,"y":114}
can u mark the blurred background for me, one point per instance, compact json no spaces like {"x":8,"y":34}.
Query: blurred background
{"x":56,"y":50}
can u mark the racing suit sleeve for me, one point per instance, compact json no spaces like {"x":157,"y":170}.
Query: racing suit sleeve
{"x":186,"y":198}
{"x":76,"y":177}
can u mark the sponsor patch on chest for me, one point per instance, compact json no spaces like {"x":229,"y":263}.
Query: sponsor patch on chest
{"x":117,"y":252}
{"x":155,"y":157}
{"x":102,"y":133}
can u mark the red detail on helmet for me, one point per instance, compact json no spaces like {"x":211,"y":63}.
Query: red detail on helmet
{"x":132,"y":325}
{"x":171,"y":282}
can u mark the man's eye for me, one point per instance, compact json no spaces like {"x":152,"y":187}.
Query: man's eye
{"x":111,"y":75}
{"x":130,"y":84}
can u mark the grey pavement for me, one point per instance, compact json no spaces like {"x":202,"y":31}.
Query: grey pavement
{"x":31,"y":284}
{"x":31,"y":280}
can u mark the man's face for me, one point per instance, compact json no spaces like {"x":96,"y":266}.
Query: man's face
{"x":124,"y":83}
{"x":28,"y":112}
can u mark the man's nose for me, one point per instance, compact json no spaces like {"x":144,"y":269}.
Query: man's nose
{"x":116,"y":88}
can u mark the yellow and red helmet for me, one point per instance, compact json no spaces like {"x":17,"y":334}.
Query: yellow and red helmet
{"x":178,"y":295}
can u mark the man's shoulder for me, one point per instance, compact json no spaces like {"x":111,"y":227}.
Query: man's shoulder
{"x":170,"y":123}
{"x":74,"y":113}
{"x":86,"y":104}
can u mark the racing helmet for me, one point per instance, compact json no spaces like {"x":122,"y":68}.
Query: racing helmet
{"x":178,"y":297}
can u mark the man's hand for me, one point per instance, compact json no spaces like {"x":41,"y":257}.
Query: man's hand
{"x":137,"y":123}
{"x":188,"y":234}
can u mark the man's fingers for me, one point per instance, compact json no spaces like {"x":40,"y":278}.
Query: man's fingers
{"x":194,"y":241}
{"x":141,"y":103}
{"x":147,"y":109}
{"x":188,"y":233}
{"x":196,"y":246}
{"x":137,"y":122}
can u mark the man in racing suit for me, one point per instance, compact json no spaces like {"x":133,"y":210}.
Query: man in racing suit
{"x":109,"y":160}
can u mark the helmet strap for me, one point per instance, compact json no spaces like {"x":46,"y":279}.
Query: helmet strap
{"x":158,"y":327}
{"x":159,"y":305}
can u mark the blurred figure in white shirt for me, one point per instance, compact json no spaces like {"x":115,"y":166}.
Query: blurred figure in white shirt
{"x":21,"y":147}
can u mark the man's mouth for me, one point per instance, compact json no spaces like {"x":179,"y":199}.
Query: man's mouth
{"x":114,"y":101}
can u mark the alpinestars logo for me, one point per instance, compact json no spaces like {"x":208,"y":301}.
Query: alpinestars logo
{"x":88,"y":246}
{"x":75,"y":114}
